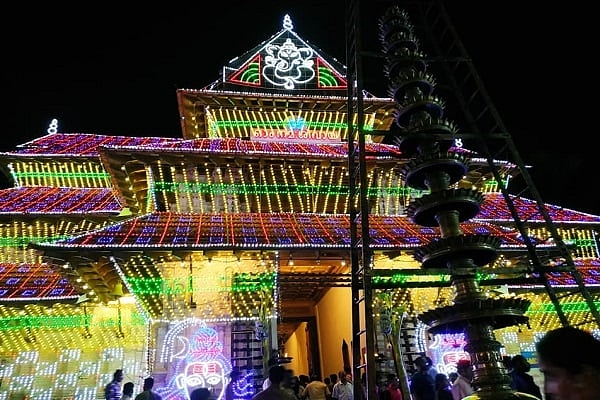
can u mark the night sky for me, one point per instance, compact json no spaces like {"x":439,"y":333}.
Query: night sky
{"x":113,"y":69}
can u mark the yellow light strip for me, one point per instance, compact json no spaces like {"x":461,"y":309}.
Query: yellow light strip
{"x":285,"y":171}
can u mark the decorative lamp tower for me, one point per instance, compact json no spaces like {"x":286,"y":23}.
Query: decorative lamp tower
{"x":426,"y":139}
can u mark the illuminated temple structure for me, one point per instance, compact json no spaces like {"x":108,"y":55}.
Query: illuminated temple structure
{"x":229,"y":248}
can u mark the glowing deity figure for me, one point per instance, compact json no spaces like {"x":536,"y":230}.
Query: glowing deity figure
{"x":288,"y":65}
{"x":199,"y":362}
{"x":202,"y":374}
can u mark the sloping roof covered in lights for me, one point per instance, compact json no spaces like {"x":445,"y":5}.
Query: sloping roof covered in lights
{"x":26,"y":282}
{"x":250,"y":148}
{"x":55,"y":145}
{"x":262,"y":231}
{"x":494,"y":209}
{"x":37,"y":200}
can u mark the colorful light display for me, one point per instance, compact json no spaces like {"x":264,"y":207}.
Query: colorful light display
{"x":195,"y":357}
{"x":258,"y":171}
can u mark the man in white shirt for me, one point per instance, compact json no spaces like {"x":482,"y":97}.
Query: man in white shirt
{"x":343,"y":389}
{"x":316,"y":389}
{"x":462,"y":385}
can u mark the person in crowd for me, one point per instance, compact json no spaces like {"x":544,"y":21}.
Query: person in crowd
{"x":200,"y":394}
{"x":348,"y":371}
{"x":569,"y":359}
{"x":327,"y":381}
{"x":442,"y":387}
{"x":316,"y":389}
{"x":462,"y":386}
{"x":112,"y":391}
{"x":363,"y":386}
{"x":234,"y":375}
{"x":431,"y":369}
{"x":304,"y":380}
{"x":521,"y":381}
{"x":147,"y":393}
{"x":275,"y":391}
{"x":422,"y":385}
{"x":343,"y":388}
{"x":127,"y":391}
{"x":391,"y":391}
{"x":294,"y":385}
{"x":452,"y":377}
{"x":333,"y":378}
{"x":266,"y":383}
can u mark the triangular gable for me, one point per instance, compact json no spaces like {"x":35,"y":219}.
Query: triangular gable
{"x":328,"y":78}
{"x":248,"y":74}
{"x":286,"y":62}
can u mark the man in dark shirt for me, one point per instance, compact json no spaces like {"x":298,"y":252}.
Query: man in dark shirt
{"x":422,"y":385}
{"x":521,"y":381}
{"x":112,"y":391}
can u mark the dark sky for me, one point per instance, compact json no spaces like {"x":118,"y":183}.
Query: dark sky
{"x":113,"y":69}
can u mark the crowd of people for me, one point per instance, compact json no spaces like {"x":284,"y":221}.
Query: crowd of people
{"x":282,"y":384}
{"x":114,"y":390}
{"x":568,"y":358}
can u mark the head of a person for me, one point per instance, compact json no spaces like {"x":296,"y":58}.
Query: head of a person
{"x":128,"y":388}
{"x":421,"y":363}
{"x":304,"y":379}
{"x":148,"y":383}
{"x":429,"y":362}
{"x":520,"y":364}
{"x":276,"y":374}
{"x":452,"y":376}
{"x":342,"y":376}
{"x":569,"y":359}
{"x":463,"y":367}
{"x":200,"y":394}
{"x":118,"y":375}
{"x":333,"y":378}
{"x":348,"y":371}
{"x":294,"y":382}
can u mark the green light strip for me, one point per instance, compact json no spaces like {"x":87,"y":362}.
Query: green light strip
{"x":544,"y":308}
{"x":60,"y":322}
{"x":174,"y":286}
{"x":149,"y":286}
{"x":585,"y":242}
{"x":22,"y":241}
{"x":267,"y":189}
{"x":253,"y":282}
{"x":281,"y":124}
